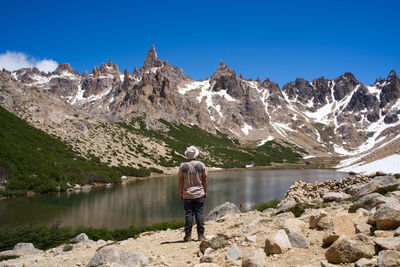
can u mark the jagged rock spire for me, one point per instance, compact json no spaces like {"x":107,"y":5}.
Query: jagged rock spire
{"x":64,"y":67}
{"x":151,"y":61}
{"x":126,"y":84}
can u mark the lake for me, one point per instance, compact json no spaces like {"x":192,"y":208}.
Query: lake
{"x":145,"y":202}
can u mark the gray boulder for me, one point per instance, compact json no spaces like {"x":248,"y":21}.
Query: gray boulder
{"x":222,"y":210}
{"x":298,"y":240}
{"x":277,"y":243}
{"x":385,"y":243}
{"x":387,"y":217}
{"x":25,"y":248}
{"x":388,"y":258}
{"x":113,"y":256}
{"x":376,"y":183}
{"x":233,"y":253}
{"x":255,"y":258}
{"x":350,"y":249}
{"x":369,"y":201}
{"x":335,"y":196}
{"x":80,"y":238}
{"x":366,"y":262}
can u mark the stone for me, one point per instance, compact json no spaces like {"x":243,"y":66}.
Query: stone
{"x":343,"y":223}
{"x":277,"y":243}
{"x":394,"y":194}
{"x":385,"y":243}
{"x":381,"y":233}
{"x":285,"y":206}
{"x":298,"y":240}
{"x":362,"y":227}
{"x":325,"y":222}
{"x":369,"y":201}
{"x":80,"y":238}
{"x":350,"y":249}
{"x":207,"y":259}
{"x":397,"y":232}
{"x":387,"y":217}
{"x":25,"y":248}
{"x":388,"y":258}
{"x":233,"y":253}
{"x":295,"y":226}
{"x":335,"y":196}
{"x":208,"y":251}
{"x":251,"y":238}
{"x":113,"y":256}
{"x":329,"y":238}
{"x":316,"y":217}
{"x":222,"y":210}
{"x":255,"y":258}
{"x":376,"y":183}
{"x":363,"y":262}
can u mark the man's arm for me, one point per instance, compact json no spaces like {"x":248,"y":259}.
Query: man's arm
{"x":180,"y":186}
{"x":204,"y":182}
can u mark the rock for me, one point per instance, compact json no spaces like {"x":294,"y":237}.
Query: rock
{"x":295,"y":226}
{"x":343,"y":224}
{"x":397,"y":232}
{"x":205,"y":244}
{"x":387,"y":217}
{"x":277,"y":243}
{"x":285,"y":206}
{"x":233,"y":253}
{"x":363,"y":262}
{"x":26,"y":248}
{"x":376,"y":183}
{"x":385,"y":243}
{"x":113,"y":256}
{"x":325,"y":222}
{"x":369,"y":201}
{"x":255,"y":258}
{"x":388,"y":258}
{"x":394,"y":194}
{"x":362,"y":227}
{"x":316,"y":217}
{"x":251,"y":238}
{"x":298,"y":240}
{"x":381,"y":233}
{"x":207,"y":259}
{"x":208,"y":251}
{"x":80,"y":238}
{"x":222,"y":210}
{"x":329,"y":238}
{"x":335,"y":196}
{"x":350,"y":249}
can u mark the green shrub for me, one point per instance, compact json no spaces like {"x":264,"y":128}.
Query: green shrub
{"x":397,"y":176}
{"x":385,"y":190}
{"x":266,"y":205}
{"x":354,"y":208}
{"x":68,"y":247}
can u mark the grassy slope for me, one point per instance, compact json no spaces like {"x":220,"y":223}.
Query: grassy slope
{"x":221,"y":151}
{"x":35,"y":161}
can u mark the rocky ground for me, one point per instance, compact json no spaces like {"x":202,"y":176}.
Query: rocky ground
{"x":324,"y":234}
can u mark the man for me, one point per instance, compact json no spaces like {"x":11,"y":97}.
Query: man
{"x":193,"y":191}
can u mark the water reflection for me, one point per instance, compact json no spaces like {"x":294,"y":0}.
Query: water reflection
{"x":148,"y":201}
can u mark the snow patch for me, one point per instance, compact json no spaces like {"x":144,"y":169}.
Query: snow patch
{"x":246,"y":128}
{"x":262,"y":142}
{"x":385,"y":165}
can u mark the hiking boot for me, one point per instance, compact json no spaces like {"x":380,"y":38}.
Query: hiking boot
{"x":202,"y":237}
{"x":187,"y":238}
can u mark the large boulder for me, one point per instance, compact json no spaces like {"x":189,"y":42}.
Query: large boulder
{"x":377,"y":183}
{"x":277,"y":243}
{"x":255,"y":258}
{"x":385,"y":243}
{"x":115,"y":257}
{"x":80,"y":238}
{"x":350,"y":249}
{"x":343,"y":223}
{"x":26,"y":248}
{"x":233,"y":253}
{"x":389,"y":258}
{"x":298,"y":240}
{"x":335,"y":196}
{"x":222,"y":210}
{"x":369,"y":201}
{"x":294,"y":225}
{"x":316,"y":217}
{"x":387,"y":217}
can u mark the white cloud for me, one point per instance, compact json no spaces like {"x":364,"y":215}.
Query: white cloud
{"x":16,"y":60}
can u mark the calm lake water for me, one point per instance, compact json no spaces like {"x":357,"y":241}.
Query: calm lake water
{"x":153,"y":200}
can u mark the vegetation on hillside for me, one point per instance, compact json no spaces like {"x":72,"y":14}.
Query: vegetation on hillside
{"x":31,"y":160}
{"x":218,"y":150}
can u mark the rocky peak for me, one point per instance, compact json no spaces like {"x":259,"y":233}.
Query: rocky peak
{"x":64,"y":67}
{"x":300,"y":89}
{"x":126,"y":84}
{"x":151,"y":61}
{"x":85,"y":74}
{"x":392,"y":76}
{"x":96,"y":71}
{"x":344,"y":84}
{"x":222,"y":70}
{"x":135,"y":73}
{"x":390,"y":90}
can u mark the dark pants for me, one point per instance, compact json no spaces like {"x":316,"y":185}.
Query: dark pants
{"x":194,"y":207}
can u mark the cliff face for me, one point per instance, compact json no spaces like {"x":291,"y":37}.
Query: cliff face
{"x":323,"y":116}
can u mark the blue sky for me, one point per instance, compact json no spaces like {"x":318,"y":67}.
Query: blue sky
{"x":277,"y":39}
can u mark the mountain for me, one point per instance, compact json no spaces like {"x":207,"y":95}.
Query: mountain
{"x":338,"y":117}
